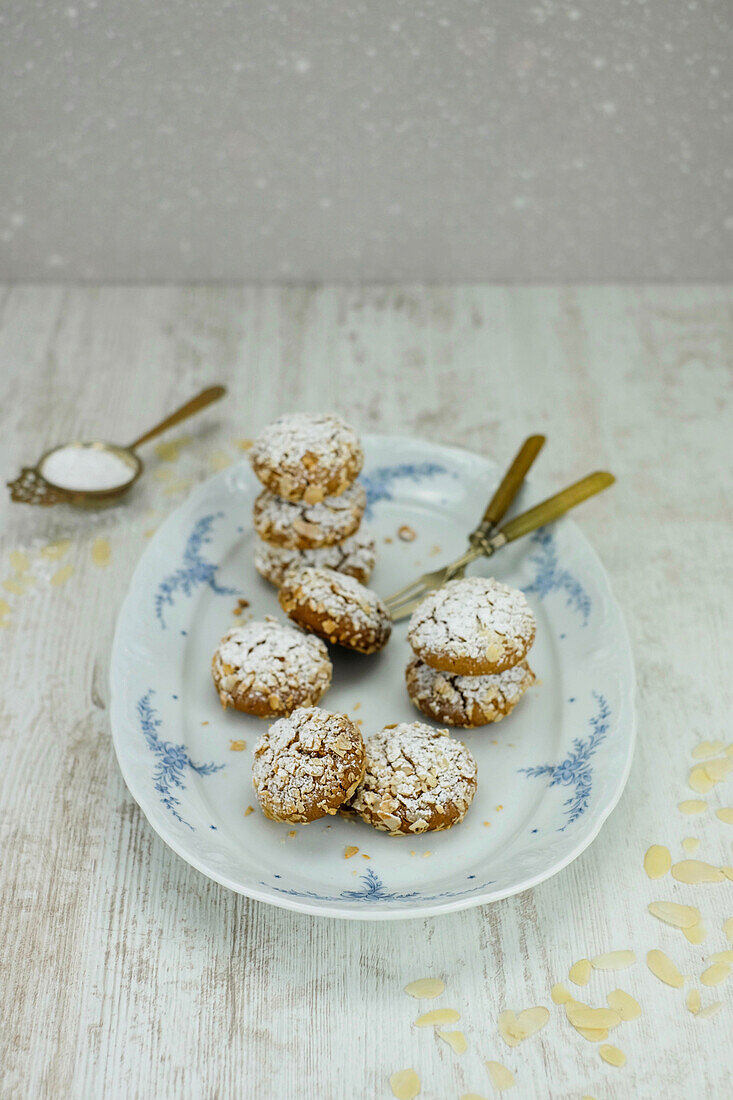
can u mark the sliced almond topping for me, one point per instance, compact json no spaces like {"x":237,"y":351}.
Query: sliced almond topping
{"x":468,"y":1095}
{"x":706,"y":749}
{"x":592,"y":1034}
{"x":579,"y":972}
{"x":424,"y":989}
{"x":694,"y":871}
{"x":727,"y":872}
{"x":624,"y":1004}
{"x":249,"y":810}
{"x":728,"y":929}
{"x":725,"y":814}
{"x":715,"y":974}
{"x":514,"y":1028}
{"x":560,"y":994}
{"x":405,"y":1084}
{"x":699,"y":780}
{"x":456,"y":1040}
{"x":663,"y":968}
{"x":614,"y":960}
{"x":657,"y":861}
{"x":710,"y":1010}
{"x":679,"y":916}
{"x":692,"y":806}
{"x":612,"y":1055}
{"x":350,"y":851}
{"x":697,"y":934}
{"x":690,"y":844}
{"x":438,"y":1017}
{"x":693,"y":1001}
{"x":501,"y":1077}
{"x":581,"y":1015}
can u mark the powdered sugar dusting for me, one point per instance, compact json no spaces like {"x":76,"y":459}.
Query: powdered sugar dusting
{"x":417,"y":778}
{"x":467,"y":700}
{"x":309,"y":526}
{"x":475,"y":619}
{"x":307,"y":765}
{"x":355,"y":556}
{"x":307,"y":450}
{"x":338,"y":595}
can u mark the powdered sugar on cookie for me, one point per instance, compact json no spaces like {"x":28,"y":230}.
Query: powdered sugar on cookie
{"x":307,"y":456}
{"x":354,"y":556}
{"x":417,"y":779}
{"x":473,"y":626}
{"x":307,"y":765}
{"x":337,"y":607}
{"x":466,"y":700}
{"x":305,"y":526}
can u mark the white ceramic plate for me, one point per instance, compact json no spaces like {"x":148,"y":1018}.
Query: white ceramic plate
{"x":549,"y":774}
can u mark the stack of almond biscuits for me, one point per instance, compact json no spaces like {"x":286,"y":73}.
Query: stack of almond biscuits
{"x":310,"y":510}
{"x":470,"y":639}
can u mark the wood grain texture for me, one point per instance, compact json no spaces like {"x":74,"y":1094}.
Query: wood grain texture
{"x":125,"y":973}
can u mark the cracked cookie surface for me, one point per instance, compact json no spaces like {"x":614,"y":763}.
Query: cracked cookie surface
{"x":466,"y":701}
{"x":474,"y":626}
{"x":269,"y":668}
{"x":417,"y":779}
{"x":307,"y":456}
{"x":354,"y":556}
{"x":307,"y":765}
{"x":336,"y":607}
{"x":305,"y":526}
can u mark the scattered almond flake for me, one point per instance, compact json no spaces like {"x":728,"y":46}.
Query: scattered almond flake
{"x":293,"y":832}
{"x":350,"y":851}
{"x":679,"y":916}
{"x":697,"y":934}
{"x":244,"y":444}
{"x":700,"y":781}
{"x":437,"y":1017}
{"x":581,"y":1015}
{"x":405,"y":1084}
{"x":162,"y":474}
{"x":219,"y":460}
{"x":722,"y":957}
{"x":613,"y":960}
{"x":62,"y":575}
{"x":19,"y":561}
{"x":425,"y":988}
{"x":356,"y":706}
{"x":657,"y":861}
{"x":176,"y":487}
{"x":728,"y":929}
{"x":579,"y":972}
{"x":717,"y":769}
{"x":707,"y":749}
{"x":426,"y":854}
{"x":56,"y":549}
{"x":690,"y":844}
{"x":249,"y":810}
{"x":500,"y":807}
{"x":101,"y":552}
{"x":560,"y":994}
{"x":4,"y":608}
{"x":150,"y":532}
{"x":471,"y":1095}
{"x":612,"y":1055}
{"x":729,"y":749}
{"x":388,"y":539}
{"x":434,"y":550}
{"x":586,"y":1097}
{"x":663,"y":968}
{"x":487,"y":823}
{"x":715,"y":974}
{"x":501,"y":1077}
{"x":725,"y":814}
{"x":456,"y":1040}
{"x":237,"y":746}
{"x":592,"y":1034}
{"x":170,"y":450}
{"x":406,"y":533}
{"x":692,"y":806}
{"x":694,"y":871}
{"x":709,"y":1010}
{"x":205,"y":723}
{"x":15,"y":585}
{"x":627,"y":1007}
{"x":514,"y":1028}
{"x":693,"y":1001}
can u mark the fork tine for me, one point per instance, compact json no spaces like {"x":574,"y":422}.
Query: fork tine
{"x":404,"y":593}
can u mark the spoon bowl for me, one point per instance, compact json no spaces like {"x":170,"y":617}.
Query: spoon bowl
{"x":80,"y":494}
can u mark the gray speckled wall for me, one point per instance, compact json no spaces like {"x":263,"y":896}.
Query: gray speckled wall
{"x":335,"y":139}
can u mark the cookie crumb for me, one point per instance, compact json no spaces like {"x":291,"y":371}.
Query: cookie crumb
{"x":293,"y":832}
{"x":249,"y":810}
{"x":388,"y":539}
{"x":350,"y":851}
{"x":237,"y":746}
{"x":406,"y":533}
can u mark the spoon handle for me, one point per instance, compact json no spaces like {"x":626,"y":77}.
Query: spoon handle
{"x":213,"y":393}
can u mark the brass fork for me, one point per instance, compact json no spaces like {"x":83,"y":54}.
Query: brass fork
{"x":403,"y":603}
{"x":494,"y":512}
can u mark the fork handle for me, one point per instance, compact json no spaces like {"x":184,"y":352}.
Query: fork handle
{"x":510,"y":484}
{"x":554,"y":506}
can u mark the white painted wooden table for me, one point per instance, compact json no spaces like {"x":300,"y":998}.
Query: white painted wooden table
{"x":127,"y":974}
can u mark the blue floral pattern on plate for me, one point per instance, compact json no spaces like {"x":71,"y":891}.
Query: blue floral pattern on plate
{"x":551,"y":577}
{"x":379,"y":481}
{"x":172,"y":759}
{"x":575,"y":770}
{"x":373,"y":889}
{"x":194,"y":571}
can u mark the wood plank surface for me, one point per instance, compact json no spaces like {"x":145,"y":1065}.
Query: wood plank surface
{"x":124,"y":972}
